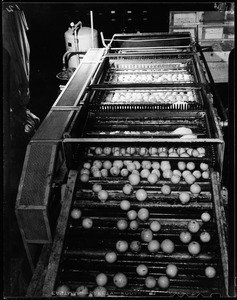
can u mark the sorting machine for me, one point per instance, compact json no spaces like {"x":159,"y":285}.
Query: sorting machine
{"x":142,"y":102}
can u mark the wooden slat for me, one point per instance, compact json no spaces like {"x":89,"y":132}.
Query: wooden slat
{"x":36,"y":283}
{"x":221,"y":223}
{"x":141,"y":140}
{"x":54,"y":260}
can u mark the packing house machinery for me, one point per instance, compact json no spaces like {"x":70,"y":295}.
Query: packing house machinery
{"x":135,"y":147}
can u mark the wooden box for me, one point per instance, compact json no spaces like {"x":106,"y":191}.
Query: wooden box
{"x":191,"y":29}
{"x":185,"y":18}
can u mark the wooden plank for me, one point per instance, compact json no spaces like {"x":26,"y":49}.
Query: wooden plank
{"x":36,"y":283}
{"x":54,"y":260}
{"x":141,"y":140}
{"x":221,"y":224}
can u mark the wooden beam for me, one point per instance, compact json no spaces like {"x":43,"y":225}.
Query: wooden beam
{"x":51,"y":272}
{"x":141,"y":140}
{"x":221,"y":224}
{"x":36,"y":283}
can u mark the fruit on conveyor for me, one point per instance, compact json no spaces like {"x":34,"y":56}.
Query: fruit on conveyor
{"x":184,"y":197}
{"x":120,"y":280}
{"x":182,"y":131}
{"x":189,"y":136}
{"x":175,"y":179}
{"x":195,"y":189}
{"x":82,"y":291}
{"x":167,"y":246}
{"x":153,"y":246}
{"x":145,"y":173}
{"x":87,"y":165}
{"x":111,"y":257}
{"x":99,"y":291}
{"x":205,"y":237}
{"x":163,"y":282}
{"x":181,"y":165}
{"x":190,"y":179}
{"x":190,"y":165}
{"x":122,"y":224}
{"x":155,"y":226}
{"x":205,"y":175}
{"x":142,"y":270}
{"x":124,"y":172}
{"x":194,"y":248}
{"x":125,"y":205}
{"x":205,"y":216}
{"x":203,"y":166}
{"x":76,"y":213}
{"x":193,"y":226}
{"x":143,"y":151}
{"x":87,"y":223}
{"x":132,"y":214}
{"x":85,"y":171}
{"x":141,"y":195}
{"x":166,"y":77}
{"x":152,"y":96}
{"x":171,"y":270}
{"x":165,"y":190}
{"x":185,"y":237}
{"x":101,"y":279}
{"x":103,"y":195}
{"x":143,"y":214}
{"x":152,"y":178}
{"x":197,"y":174}
{"x":134,"y":179}
{"x":122,"y":246}
{"x":107,"y":150}
{"x":150,"y":282}
{"x":146,"y":235}
{"x":135,"y":246}
{"x":134,"y":225}
{"x":114,"y":171}
{"x":84,"y":177}
{"x":104,"y":173}
{"x":127,"y":189}
{"x":96,"y":187}
{"x":63,"y":290}
{"x":210,"y":272}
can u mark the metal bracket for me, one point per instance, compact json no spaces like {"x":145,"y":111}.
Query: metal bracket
{"x":66,"y":135}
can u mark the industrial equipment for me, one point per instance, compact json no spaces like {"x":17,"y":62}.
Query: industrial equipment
{"x":138,"y":107}
{"x":78,"y":40}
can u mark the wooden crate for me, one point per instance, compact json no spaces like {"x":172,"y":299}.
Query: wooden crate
{"x":215,"y":32}
{"x":219,"y":71}
{"x":191,"y":29}
{"x":185,"y":18}
{"x":217,"y":56}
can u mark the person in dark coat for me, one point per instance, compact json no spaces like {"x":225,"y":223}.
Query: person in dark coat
{"x":16,"y":66}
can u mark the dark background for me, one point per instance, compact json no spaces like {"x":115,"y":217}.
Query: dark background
{"x":47,"y":23}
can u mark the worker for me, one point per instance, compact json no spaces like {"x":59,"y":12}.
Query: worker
{"x":16,"y":53}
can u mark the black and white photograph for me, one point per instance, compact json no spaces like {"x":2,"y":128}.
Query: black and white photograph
{"x":118,"y":150}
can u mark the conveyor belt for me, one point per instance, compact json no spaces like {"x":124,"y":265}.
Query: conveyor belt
{"x":82,"y":245}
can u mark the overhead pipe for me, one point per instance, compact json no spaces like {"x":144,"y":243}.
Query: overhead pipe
{"x":92,"y":29}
